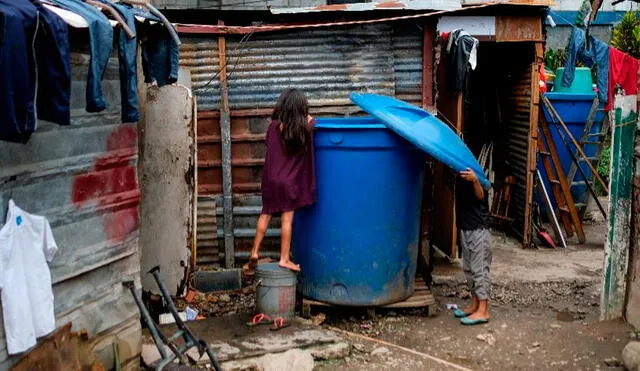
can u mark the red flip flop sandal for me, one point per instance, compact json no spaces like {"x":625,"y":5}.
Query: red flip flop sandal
{"x":259,"y":319}
{"x":279,"y":323}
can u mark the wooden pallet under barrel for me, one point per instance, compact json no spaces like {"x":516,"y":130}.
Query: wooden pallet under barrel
{"x":421,"y":298}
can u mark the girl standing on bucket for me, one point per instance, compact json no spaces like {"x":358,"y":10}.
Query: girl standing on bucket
{"x":288,"y":178}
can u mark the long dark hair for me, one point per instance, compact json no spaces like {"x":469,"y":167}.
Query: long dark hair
{"x":292,"y":110}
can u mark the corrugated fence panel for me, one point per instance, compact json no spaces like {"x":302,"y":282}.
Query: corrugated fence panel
{"x":407,"y":61}
{"x":83,"y":178}
{"x":517,"y":136}
{"x":327,"y":64}
{"x":200,"y":56}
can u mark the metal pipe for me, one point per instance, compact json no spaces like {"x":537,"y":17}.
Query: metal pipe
{"x":225,"y":137}
{"x":158,"y":338}
{"x":183,"y":330}
{"x":545,"y":196}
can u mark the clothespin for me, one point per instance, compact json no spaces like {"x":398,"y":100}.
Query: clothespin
{"x":114,"y":13}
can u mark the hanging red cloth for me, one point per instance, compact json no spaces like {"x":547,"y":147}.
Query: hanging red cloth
{"x":623,"y":71}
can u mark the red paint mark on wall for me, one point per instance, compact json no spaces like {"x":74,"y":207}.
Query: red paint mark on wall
{"x":112,"y":185}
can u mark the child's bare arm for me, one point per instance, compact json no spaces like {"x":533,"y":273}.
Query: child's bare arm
{"x":469,"y":176}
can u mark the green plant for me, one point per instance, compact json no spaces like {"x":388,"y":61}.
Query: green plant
{"x":554,"y":59}
{"x":626,"y":34}
{"x":603,"y":168}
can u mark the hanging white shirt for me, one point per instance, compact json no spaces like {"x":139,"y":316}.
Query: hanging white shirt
{"x":26,"y":245}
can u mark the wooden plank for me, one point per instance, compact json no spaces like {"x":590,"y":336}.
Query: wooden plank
{"x":428,"y":38}
{"x":533,"y":146}
{"x":518,"y":28}
{"x":566,"y":223}
{"x":564,"y":185}
{"x":449,"y":104}
{"x":616,"y":251}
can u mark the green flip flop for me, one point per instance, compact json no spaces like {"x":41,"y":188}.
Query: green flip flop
{"x":459,"y":313}
{"x":472,"y":322}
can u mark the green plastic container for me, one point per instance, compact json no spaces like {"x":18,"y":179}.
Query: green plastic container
{"x":582,"y":82}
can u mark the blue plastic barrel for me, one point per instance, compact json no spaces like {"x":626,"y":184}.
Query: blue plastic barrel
{"x":358,"y":245}
{"x":574,"y":111}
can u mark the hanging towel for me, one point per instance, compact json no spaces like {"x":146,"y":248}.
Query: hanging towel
{"x":623,"y":71}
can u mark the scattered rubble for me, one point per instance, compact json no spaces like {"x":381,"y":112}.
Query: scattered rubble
{"x":380,"y":351}
{"x":612,"y":362}
{"x":487,"y":338}
{"x":221,"y":303}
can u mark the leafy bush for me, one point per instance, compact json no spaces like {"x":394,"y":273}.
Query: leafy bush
{"x":626,"y":34}
{"x":554,"y":59}
{"x":603,"y":168}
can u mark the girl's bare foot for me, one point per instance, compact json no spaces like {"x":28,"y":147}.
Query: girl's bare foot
{"x":288,"y":264}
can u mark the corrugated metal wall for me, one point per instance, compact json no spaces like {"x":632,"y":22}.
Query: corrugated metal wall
{"x":517,"y":135}
{"x":326,"y":64}
{"x":83,"y":179}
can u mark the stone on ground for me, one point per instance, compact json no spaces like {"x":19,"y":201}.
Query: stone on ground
{"x":631,"y":355}
{"x":294,"y":359}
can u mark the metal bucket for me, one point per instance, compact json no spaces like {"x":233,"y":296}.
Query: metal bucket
{"x":276,"y":291}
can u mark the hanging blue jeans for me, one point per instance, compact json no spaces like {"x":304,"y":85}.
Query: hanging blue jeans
{"x":17,"y":77}
{"x":101,"y":45}
{"x":596,"y":54}
{"x":54,"y":69}
{"x":160,"y":56}
{"x":127,"y":52}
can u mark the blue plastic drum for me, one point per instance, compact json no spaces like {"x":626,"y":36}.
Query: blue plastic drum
{"x":358,"y":245}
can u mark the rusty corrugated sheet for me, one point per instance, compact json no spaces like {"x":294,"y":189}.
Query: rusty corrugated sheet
{"x":407,"y":61}
{"x":517,"y":136}
{"x":375,"y":5}
{"x":326,"y":64}
{"x":200,"y":57}
{"x":82,"y":177}
{"x":208,"y":253}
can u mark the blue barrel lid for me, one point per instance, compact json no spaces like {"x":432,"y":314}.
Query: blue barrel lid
{"x":422,"y":129}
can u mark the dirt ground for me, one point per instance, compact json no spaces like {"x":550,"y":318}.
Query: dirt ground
{"x":544,"y":316}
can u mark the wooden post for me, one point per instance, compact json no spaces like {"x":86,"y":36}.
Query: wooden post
{"x":533,"y":143}
{"x":616,"y":250}
{"x":427,"y":65}
{"x":225,"y":136}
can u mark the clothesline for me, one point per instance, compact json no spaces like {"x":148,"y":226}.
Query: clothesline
{"x":45,"y":90}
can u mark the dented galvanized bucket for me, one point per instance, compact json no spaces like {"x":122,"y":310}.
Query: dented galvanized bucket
{"x":276,"y":291}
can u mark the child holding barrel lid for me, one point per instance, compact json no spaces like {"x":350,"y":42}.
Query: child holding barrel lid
{"x":288,"y":179}
{"x":472,"y":212}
